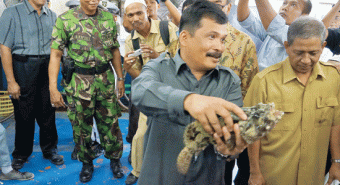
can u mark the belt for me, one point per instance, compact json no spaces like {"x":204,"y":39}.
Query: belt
{"x":92,"y":71}
{"x":25,"y":57}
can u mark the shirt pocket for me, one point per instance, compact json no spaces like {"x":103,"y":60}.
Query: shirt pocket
{"x":284,"y":123}
{"x":325,"y":111}
{"x":107,"y":38}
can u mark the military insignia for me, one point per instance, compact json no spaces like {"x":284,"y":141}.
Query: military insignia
{"x":104,"y":3}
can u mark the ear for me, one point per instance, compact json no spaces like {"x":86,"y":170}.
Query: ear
{"x":324,"y":44}
{"x":158,"y":6}
{"x":286,"y":45}
{"x":227,"y":8}
{"x":184,"y":38}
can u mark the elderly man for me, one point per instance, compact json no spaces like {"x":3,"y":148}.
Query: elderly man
{"x":25,"y":39}
{"x":90,"y":35}
{"x":173,"y":92}
{"x":308,"y":92}
{"x":148,"y":34}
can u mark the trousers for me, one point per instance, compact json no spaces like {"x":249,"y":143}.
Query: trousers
{"x":31,"y":73}
{"x":105,"y":112}
{"x":5,"y":159}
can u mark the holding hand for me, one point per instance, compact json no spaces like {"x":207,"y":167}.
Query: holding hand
{"x":129,"y":61}
{"x":149,"y":51}
{"x":14,"y":90}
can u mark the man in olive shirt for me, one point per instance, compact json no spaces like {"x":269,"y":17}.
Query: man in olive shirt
{"x":307,"y":91}
{"x":174,"y":92}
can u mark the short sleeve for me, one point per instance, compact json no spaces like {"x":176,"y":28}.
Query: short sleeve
{"x":59,"y":36}
{"x":7,"y":28}
{"x":173,"y":46}
{"x":115,"y":35}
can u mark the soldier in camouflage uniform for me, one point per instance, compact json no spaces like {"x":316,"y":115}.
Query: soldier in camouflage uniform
{"x":90,"y":35}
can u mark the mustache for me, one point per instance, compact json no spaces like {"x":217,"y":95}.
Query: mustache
{"x":214,"y":54}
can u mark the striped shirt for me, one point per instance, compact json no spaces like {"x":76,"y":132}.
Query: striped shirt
{"x":24,"y":31}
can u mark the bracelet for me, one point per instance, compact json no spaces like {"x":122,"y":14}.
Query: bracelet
{"x":335,"y":160}
{"x":121,"y":79}
{"x":227,"y":157}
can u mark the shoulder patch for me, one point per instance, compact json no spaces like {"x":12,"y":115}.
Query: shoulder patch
{"x":269,"y":69}
{"x":328,"y":64}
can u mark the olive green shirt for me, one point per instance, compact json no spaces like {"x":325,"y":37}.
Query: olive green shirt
{"x":295,"y":151}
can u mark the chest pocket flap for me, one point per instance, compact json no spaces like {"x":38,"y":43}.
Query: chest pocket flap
{"x":327,"y":102}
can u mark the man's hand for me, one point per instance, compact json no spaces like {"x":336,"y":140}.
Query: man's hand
{"x":14,"y":90}
{"x":121,"y":88}
{"x":149,"y":51}
{"x":221,"y":147}
{"x":256,"y":179}
{"x":56,"y":99}
{"x":129,"y":61}
{"x":205,"y":110}
{"x":334,"y":173}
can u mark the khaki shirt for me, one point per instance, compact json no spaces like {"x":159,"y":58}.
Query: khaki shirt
{"x":295,"y":151}
{"x":240,"y":56}
{"x":155,"y":41}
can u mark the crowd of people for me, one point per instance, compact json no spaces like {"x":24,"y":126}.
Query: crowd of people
{"x":198,"y":64}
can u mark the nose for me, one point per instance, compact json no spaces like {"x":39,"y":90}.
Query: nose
{"x":306,"y":59}
{"x":284,"y":7}
{"x":219,"y":46}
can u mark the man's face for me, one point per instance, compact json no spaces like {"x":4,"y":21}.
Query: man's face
{"x":304,"y":54}
{"x":291,"y":10}
{"x":38,"y":2}
{"x":223,"y":4}
{"x":89,"y":5}
{"x":137,"y":16}
{"x":152,"y":7}
{"x":207,"y":44}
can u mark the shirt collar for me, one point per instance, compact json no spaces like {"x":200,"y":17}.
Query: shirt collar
{"x":179,"y":62}
{"x":81,"y":15}
{"x":153,"y":29}
{"x":289,"y":74}
{"x":30,"y":8}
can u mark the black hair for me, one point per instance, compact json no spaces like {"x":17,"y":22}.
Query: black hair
{"x":186,"y":4}
{"x":192,"y":16}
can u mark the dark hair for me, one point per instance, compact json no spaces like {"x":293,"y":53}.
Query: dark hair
{"x":186,"y":4}
{"x":306,"y":27}
{"x":307,"y":8}
{"x":192,"y":16}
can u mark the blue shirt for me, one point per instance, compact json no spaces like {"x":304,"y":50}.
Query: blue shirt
{"x":159,"y":92}
{"x":24,"y":31}
{"x":272,"y":50}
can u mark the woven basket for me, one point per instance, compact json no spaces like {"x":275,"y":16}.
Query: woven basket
{"x":6,"y":106}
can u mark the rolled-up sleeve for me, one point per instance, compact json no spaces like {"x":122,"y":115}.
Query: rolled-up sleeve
{"x":153,"y":97}
{"x":7,"y":28}
{"x":254,"y":26}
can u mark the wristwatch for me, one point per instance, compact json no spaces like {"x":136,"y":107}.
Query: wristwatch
{"x":335,"y":160}
{"x":226,"y":157}
{"x":121,"y":79}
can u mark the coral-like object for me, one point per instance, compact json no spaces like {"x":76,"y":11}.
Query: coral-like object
{"x":261,"y":120}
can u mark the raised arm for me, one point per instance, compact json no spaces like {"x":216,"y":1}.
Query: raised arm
{"x":330,"y":15}
{"x":174,"y":13}
{"x":243,"y":10}
{"x":266,"y":12}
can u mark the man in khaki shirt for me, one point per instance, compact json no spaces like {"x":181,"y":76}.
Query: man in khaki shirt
{"x":308,"y":91}
{"x":147,"y":31}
